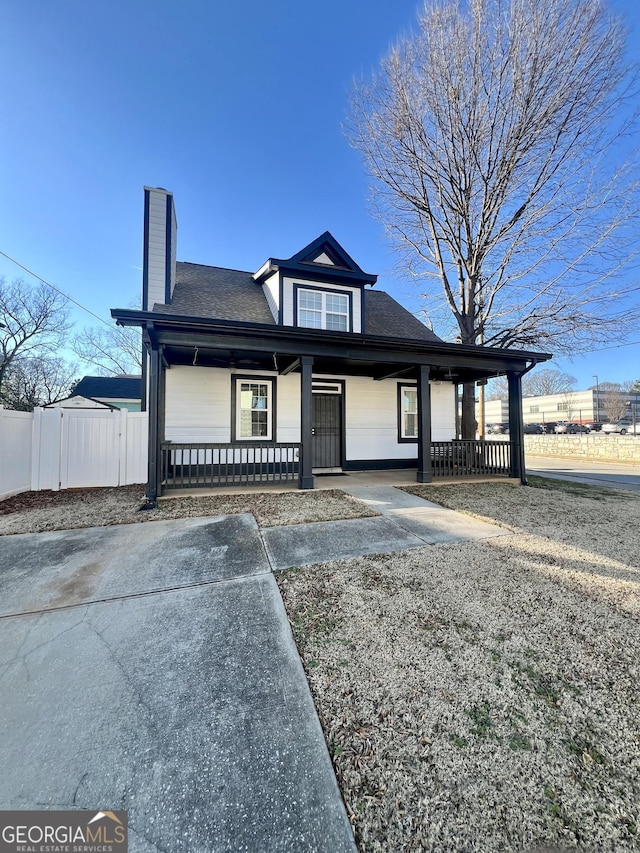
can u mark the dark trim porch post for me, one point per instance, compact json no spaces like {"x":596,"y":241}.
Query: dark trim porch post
{"x":153,"y":406}
{"x":424,"y":426}
{"x":306,"y":403}
{"x":516,"y":438}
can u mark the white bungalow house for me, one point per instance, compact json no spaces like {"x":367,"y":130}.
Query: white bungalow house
{"x":300,"y":368}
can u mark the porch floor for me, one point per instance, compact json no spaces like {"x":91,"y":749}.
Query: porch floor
{"x":390,"y":477}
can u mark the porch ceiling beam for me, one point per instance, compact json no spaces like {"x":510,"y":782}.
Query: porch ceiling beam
{"x":394,"y":373}
{"x":482,"y":364}
{"x":290,"y":367}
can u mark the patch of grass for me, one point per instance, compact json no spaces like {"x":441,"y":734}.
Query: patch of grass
{"x":458,"y":741}
{"x":481,"y":717}
{"x":542,"y":684}
{"x":519,"y":741}
{"x":582,"y":749}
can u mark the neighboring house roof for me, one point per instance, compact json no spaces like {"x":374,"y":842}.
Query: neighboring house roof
{"x":109,"y":387}
{"x":223,"y":294}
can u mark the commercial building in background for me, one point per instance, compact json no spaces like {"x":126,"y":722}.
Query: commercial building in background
{"x":593,"y":405}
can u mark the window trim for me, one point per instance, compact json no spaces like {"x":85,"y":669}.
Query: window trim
{"x":270,"y":438}
{"x":403,"y":439}
{"x":298,"y":286}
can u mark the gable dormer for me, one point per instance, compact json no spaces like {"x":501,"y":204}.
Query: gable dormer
{"x":320,"y":287}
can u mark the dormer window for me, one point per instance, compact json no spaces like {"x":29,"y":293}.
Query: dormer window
{"x":323,"y":309}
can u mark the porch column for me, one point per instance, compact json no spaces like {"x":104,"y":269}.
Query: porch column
{"x":153,"y":408}
{"x":516,"y":439}
{"x":424,"y":426}
{"x":306,"y":403}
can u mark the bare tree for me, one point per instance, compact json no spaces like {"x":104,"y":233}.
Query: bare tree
{"x":31,"y":382}
{"x":489,"y":134}
{"x":613,"y":398}
{"x":569,"y":401}
{"x":33,"y":322}
{"x":538,"y":383}
{"x":112,"y":350}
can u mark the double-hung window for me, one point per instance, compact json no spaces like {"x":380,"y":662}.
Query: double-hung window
{"x":408,"y":398}
{"x":320,"y":309}
{"x":254,"y":410}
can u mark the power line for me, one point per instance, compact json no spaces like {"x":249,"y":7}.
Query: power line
{"x":53,"y":287}
{"x":617,"y":346}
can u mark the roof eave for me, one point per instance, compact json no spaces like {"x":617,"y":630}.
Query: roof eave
{"x":130,"y":317}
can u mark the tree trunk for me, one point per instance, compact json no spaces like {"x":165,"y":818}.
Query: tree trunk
{"x":468,"y":423}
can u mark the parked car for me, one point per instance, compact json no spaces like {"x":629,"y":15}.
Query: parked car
{"x":532,"y":429}
{"x":634,"y":429}
{"x":498,"y":428}
{"x":549,"y":426}
{"x":593,"y":426}
{"x":569,"y":428}
{"x":621,"y":427}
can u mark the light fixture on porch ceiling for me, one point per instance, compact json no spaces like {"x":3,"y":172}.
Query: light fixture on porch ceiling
{"x":195,"y":355}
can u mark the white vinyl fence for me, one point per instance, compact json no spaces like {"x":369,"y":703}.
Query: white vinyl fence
{"x":71,"y":448}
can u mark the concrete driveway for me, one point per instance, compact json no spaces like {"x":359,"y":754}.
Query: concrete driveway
{"x":611,"y":475}
{"x":151,"y":668}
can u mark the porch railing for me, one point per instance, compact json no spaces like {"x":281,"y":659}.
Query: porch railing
{"x":191,"y":466}
{"x":462,"y":458}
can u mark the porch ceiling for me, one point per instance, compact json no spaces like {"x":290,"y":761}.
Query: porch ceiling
{"x":284,"y":362}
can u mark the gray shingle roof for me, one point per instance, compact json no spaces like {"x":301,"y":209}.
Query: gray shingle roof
{"x":223,"y":294}
{"x":386,"y":317}
{"x":217,"y":293}
{"x":109,"y":387}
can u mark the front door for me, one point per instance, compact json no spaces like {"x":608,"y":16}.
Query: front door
{"x":327,"y":430}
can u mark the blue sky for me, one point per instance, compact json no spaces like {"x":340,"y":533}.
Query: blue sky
{"x":236,"y":108}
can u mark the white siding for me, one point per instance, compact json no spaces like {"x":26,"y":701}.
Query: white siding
{"x":288,"y":410}
{"x":271,"y":288}
{"x":287,"y":299}
{"x":198,"y":404}
{"x":443,"y":411}
{"x":198,"y":408}
{"x":372,"y":420}
{"x":157,"y":246}
{"x":174,"y":245}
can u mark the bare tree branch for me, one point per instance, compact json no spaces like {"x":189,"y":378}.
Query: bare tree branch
{"x":490,"y":135}
{"x":115,"y":350}
{"x":33,"y":322}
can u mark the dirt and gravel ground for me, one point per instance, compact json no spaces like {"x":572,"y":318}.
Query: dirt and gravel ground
{"x":35,"y":512}
{"x":477,"y":696}
{"x":484,"y":696}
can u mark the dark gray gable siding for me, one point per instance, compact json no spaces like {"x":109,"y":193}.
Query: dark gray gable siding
{"x":223,"y":294}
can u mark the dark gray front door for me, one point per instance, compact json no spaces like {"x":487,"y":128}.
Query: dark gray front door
{"x":327,"y":430}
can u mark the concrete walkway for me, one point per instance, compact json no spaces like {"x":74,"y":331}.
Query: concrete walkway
{"x":406,"y":521}
{"x":151,"y":668}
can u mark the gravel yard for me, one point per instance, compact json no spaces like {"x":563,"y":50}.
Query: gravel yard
{"x":484,"y":696}
{"x":35,"y":512}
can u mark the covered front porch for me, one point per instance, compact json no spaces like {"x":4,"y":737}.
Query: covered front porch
{"x":367,"y":376}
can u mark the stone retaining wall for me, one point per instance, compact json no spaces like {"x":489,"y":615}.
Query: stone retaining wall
{"x":607,"y":448}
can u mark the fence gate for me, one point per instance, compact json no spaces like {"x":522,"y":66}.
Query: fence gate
{"x":90,"y":449}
